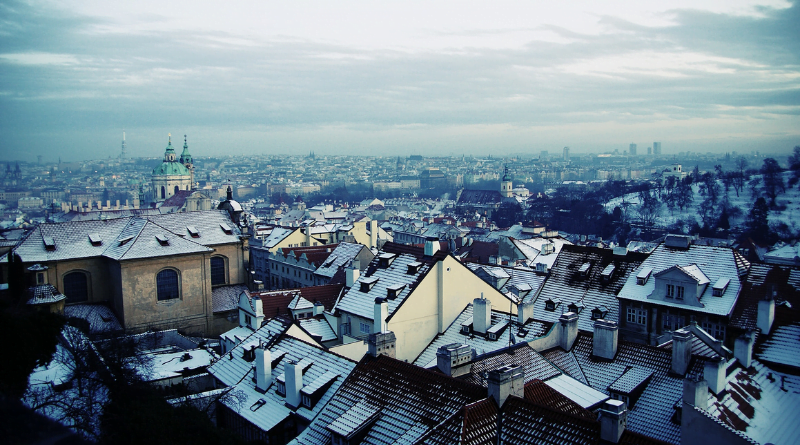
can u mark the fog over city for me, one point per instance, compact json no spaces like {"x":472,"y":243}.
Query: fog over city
{"x":431,"y":78}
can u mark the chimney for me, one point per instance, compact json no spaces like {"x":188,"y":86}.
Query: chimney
{"x":681,"y":351}
{"x":382,"y":343}
{"x":381,"y":311}
{"x":506,"y":381}
{"x":695,"y":392}
{"x":524,"y":312}
{"x":714,"y":374}
{"x":481,"y":315}
{"x":373,"y":233}
{"x":259,"y":285}
{"x":453,"y":359}
{"x":293,"y":379}
{"x":263,"y":369}
{"x":606,"y":335}
{"x":259,"y":306}
{"x":568,"y":330}
{"x":766,"y":313}
{"x":319,"y":308}
{"x":431,"y":246}
{"x":613,"y":420}
{"x":743,"y":348}
{"x":351,"y":275}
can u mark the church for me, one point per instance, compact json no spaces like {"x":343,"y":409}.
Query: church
{"x":486,"y":202}
{"x":174,"y":174}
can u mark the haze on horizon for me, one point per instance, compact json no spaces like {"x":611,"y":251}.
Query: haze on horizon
{"x":373,"y":78}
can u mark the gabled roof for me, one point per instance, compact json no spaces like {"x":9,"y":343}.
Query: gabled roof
{"x":315,"y":255}
{"x":519,"y":278}
{"x":762,"y":280}
{"x":339,"y":257}
{"x":480,"y":197}
{"x":714,"y":262}
{"x":277,"y":302}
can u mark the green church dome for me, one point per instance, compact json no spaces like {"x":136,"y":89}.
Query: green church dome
{"x":171,"y":168}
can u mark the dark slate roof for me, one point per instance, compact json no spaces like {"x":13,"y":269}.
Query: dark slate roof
{"x":411,"y":401}
{"x":277,"y":302}
{"x":480,"y":197}
{"x":226,"y":298}
{"x":100,"y":317}
{"x":537,"y":391}
{"x":760,"y":281}
{"x":315,"y":255}
{"x":535,"y":366}
{"x":566,"y":285}
{"x":178,"y":199}
{"x":475,"y":423}
{"x":477,"y":251}
{"x":44,"y":294}
{"x":525,"y":423}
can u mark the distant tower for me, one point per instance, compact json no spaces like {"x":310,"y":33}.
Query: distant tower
{"x":649,"y":151}
{"x":632,"y":150}
{"x":186,"y":159}
{"x":505,"y":184}
{"x":123,"y":154}
{"x":656,"y":148}
{"x":566,"y":153}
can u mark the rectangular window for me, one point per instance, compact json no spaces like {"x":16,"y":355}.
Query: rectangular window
{"x":638,"y":316}
{"x":680,"y":293}
{"x":666,"y":324}
{"x":670,"y":290}
{"x":364,"y":328}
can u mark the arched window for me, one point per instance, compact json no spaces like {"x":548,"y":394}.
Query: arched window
{"x":163,"y":192}
{"x":218,"y":275}
{"x":176,"y":190}
{"x":167,"y":285}
{"x":76,"y":287}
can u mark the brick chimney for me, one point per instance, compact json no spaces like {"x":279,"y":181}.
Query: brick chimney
{"x":263,"y":369}
{"x":714,"y":374}
{"x":481,"y":315}
{"x":681,"y":351}
{"x":567,"y":330}
{"x":613,"y":420}
{"x":454,"y":359}
{"x":506,"y":381}
{"x":604,"y":343}
{"x":293,"y":378}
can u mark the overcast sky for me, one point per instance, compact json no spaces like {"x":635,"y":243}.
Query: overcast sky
{"x":413,"y":77}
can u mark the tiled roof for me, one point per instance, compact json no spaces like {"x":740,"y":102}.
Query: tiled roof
{"x":537,"y":391}
{"x":44,"y":294}
{"x":762,"y":279}
{"x":277,"y":302}
{"x":565,"y":283}
{"x":226,"y":298}
{"x":518,"y":277}
{"x":761,"y":403}
{"x":714,"y":262}
{"x":100,"y":317}
{"x":483,"y":197}
{"x":277,"y":235}
{"x":525,"y":423}
{"x":534,"y":365}
{"x":479,"y":343}
{"x":315,"y":255}
{"x":412,"y":401}
{"x":341,"y":255}
{"x":584,"y":395}
{"x":318,"y":327}
{"x":782,"y":347}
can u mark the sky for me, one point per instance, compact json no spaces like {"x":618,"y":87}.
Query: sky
{"x":435,"y":78}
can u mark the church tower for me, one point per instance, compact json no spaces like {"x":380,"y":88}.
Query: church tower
{"x":186,"y":160}
{"x":172,"y":175}
{"x":506,"y":186}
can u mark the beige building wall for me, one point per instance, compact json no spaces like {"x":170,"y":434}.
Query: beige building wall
{"x":98,"y":281}
{"x":436,"y":302}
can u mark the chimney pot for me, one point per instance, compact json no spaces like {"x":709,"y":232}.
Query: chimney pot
{"x":481,"y":315}
{"x":681,"y":351}
{"x":606,"y":337}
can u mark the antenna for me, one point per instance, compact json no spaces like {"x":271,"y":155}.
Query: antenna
{"x":123,"y":154}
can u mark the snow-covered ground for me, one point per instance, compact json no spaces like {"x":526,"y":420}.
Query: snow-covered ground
{"x":790,"y":199}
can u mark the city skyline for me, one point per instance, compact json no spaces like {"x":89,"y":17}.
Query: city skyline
{"x":436,"y":79}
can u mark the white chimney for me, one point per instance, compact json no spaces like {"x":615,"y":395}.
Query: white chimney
{"x":524,"y":312}
{"x":481,"y":315}
{"x":766,"y":314}
{"x":743,"y":348}
{"x":373,"y":233}
{"x":454,"y":359}
{"x":613,"y":420}
{"x":604,"y":342}
{"x":431,"y":246}
{"x":293,"y":379}
{"x":351,"y":275}
{"x":380,"y":312}
{"x":506,"y":381}
{"x":319,"y":308}
{"x":695,"y":392}
{"x":681,"y":351}
{"x":259,"y":306}
{"x":263,"y":369}
{"x":568,"y":330}
{"x":714,"y":374}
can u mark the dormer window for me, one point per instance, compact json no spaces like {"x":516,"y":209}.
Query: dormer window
{"x":414,"y":267}
{"x":306,"y":401}
{"x":125,"y":240}
{"x":607,"y":273}
{"x":193,"y":232}
{"x":281,"y":388}
{"x":541,"y":268}
{"x":670,"y":291}
{"x":226,"y":228}
{"x":720,"y":286}
{"x":643,"y":276}
{"x":599,"y":313}
{"x":95,"y":239}
{"x":385,"y":260}
{"x":575,"y":307}
{"x":679,"y":295}
{"x":584,"y":269}
{"x":49,"y":243}
{"x":393,"y":291}
{"x":163,"y":240}
{"x":368,"y":283}
{"x":551,"y":304}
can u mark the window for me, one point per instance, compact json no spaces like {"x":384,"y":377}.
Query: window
{"x":40,"y":278}
{"x":306,"y":401}
{"x":167,"y":285}
{"x":364,"y":328}
{"x":76,"y":287}
{"x":637,"y":316}
{"x":248,"y":320}
{"x":670,"y":290}
{"x":176,"y":190}
{"x":680,"y":293}
{"x":281,"y":389}
{"x":218,"y":275}
{"x":163,"y":192}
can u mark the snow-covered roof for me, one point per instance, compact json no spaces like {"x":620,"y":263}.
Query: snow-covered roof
{"x":341,"y":255}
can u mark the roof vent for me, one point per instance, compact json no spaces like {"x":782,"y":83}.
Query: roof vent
{"x":226,"y":228}
{"x":608,"y":272}
{"x":548,"y":248}
{"x":95,"y":239}
{"x":49,"y":243}
{"x":678,"y":241}
{"x":163,"y":240}
{"x":584,"y":269}
{"x":193,"y":232}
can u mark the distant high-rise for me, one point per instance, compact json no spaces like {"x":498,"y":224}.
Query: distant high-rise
{"x":122,"y":154}
{"x":656,"y":148}
{"x":649,"y":151}
{"x":544,"y":155}
{"x":566,"y":153}
{"x":632,"y":150}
